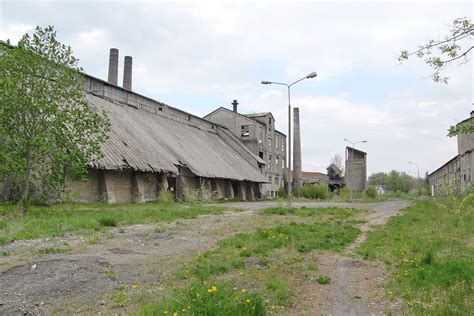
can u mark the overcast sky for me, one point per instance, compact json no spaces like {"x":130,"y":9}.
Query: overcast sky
{"x":198,"y":57}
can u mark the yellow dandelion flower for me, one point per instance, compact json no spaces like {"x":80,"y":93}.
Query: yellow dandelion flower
{"x":135,"y":286}
{"x":243,"y":290}
{"x":247,"y":301}
{"x":175,"y":314}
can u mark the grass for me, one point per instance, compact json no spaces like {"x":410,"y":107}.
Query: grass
{"x":429,"y":252}
{"x":263,"y":267}
{"x":53,"y":250}
{"x":211,"y":299}
{"x":323,"y":279}
{"x":62,"y":219}
{"x":316,"y":211}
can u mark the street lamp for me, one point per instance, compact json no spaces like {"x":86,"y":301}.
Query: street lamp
{"x":353,"y":143}
{"x":353,"y":147}
{"x":309,"y":76}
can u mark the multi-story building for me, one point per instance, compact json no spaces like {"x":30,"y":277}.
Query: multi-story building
{"x":257,"y":131}
{"x":456,"y":175}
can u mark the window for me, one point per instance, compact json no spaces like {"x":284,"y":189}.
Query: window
{"x":269,"y":142}
{"x":283,"y":163}
{"x":245,"y":131}
{"x":260,"y":135}
{"x":276,"y":142}
{"x":269,"y":162}
{"x":282,"y":145}
{"x":277,"y":162}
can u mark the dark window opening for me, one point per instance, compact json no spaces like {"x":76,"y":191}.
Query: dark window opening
{"x":260,"y":154}
{"x":160,"y":108}
{"x":245,"y":131}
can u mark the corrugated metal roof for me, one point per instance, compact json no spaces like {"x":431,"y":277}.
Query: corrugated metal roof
{"x":153,"y":143}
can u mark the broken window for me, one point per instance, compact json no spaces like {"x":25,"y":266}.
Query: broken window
{"x":245,"y":131}
{"x":260,"y":135}
{"x":276,"y":142}
{"x":276,"y":161}
{"x":269,"y":142}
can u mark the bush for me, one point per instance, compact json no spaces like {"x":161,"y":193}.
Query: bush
{"x":282,"y":192}
{"x":107,"y":221}
{"x":371,"y":192}
{"x":165,"y":196}
{"x":315,"y":191}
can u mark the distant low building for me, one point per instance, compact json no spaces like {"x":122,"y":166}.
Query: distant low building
{"x":455,"y":175}
{"x":314,"y":178}
{"x":336,"y":178}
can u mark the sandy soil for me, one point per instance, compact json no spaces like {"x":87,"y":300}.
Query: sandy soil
{"x":34,"y":284}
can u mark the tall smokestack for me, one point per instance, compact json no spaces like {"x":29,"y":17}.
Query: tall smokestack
{"x":234,"y":104}
{"x":297,"y":180}
{"x":127,"y":73}
{"x":113,"y":66}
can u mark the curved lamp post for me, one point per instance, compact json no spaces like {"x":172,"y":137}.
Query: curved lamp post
{"x":288,"y":85}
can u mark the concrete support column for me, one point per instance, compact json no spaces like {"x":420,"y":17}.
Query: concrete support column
{"x":229,"y":190}
{"x":220,"y":188}
{"x":251,"y":195}
{"x":242,"y":194}
{"x":180,"y":188}
{"x":297,"y":179}
{"x":138,"y":188}
{"x":106,"y":186}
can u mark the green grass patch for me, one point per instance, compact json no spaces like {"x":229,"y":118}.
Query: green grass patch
{"x":335,"y":212}
{"x":53,"y":250}
{"x":62,"y":219}
{"x":232,"y":252}
{"x":430,"y":255}
{"x":323,"y":279}
{"x":211,"y":299}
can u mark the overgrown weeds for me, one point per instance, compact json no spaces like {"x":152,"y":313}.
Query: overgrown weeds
{"x":430,"y":256}
{"x":62,"y":219}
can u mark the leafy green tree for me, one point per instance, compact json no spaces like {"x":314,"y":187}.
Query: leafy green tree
{"x":47,"y":130}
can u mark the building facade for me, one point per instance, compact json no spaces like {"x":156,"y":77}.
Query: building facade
{"x":257,"y":131}
{"x":356,"y":169}
{"x":456,"y":175}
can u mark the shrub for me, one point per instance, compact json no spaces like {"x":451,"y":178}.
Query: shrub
{"x":371,"y":192}
{"x":315,"y":191}
{"x":165,"y":196}
{"x":323,"y":279}
{"x":282,"y":192}
{"x":108,"y":221}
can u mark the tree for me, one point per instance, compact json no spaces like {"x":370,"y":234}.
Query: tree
{"x":337,"y":161}
{"x":456,"y":46}
{"x":47,"y":130}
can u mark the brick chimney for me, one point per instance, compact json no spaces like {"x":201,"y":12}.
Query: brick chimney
{"x":113,"y":66}
{"x":127,"y":73}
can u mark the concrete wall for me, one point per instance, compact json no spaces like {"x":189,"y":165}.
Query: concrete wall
{"x":465,"y":142}
{"x":126,"y":186}
{"x":446,"y":179}
{"x":356,"y":170}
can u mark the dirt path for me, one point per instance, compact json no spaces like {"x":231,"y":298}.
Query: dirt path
{"x":355,"y":287}
{"x":142,"y":254}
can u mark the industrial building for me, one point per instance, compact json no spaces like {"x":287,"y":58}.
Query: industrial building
{"x":356,"y":169}
{"x":257,"y":131}
{"x":455,"y":175}
{"x":153,"y":146}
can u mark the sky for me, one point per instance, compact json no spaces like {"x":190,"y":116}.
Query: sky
{"x":200,"y":56}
